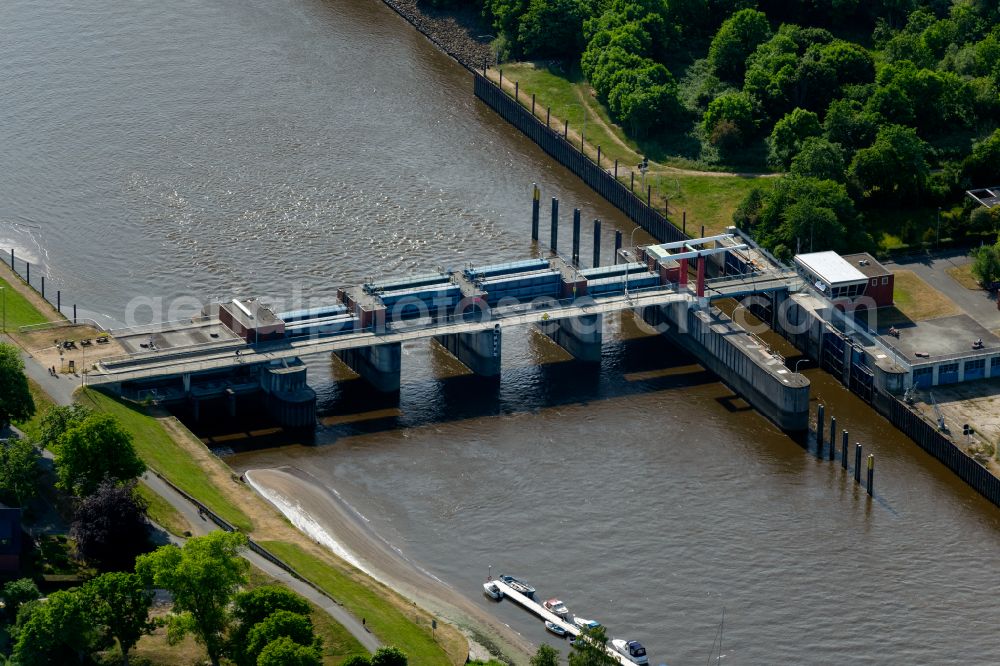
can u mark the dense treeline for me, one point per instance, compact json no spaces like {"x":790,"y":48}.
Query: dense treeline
{"x":867,"y":106}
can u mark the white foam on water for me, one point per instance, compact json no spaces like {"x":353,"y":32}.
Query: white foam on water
{"x":303,"y":521}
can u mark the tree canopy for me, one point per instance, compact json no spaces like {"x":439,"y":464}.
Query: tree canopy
{"x":16,"y":403}
{"x":119,"y":604}
{"x":94,"y":449}
{"x":203,"y":576}
{"x":110,"y":527}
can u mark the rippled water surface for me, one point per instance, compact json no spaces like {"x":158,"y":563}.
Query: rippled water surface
{"x":158,"y":149}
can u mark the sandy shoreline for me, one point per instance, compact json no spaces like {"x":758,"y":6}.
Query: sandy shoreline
{"x":327,"y":519}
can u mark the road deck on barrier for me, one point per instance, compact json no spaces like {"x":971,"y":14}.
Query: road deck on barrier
{"x":181,"y":360}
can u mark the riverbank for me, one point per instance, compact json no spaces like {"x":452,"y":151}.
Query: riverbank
{"x":456,"y":31}
{"x":326,"y":518}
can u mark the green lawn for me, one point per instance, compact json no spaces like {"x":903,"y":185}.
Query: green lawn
{"x":19,"y":311}
{"x":387,"y":622}
{"x":708,"y":199}
{"x":160,"y":452}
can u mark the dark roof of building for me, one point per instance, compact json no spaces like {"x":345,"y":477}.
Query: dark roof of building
{"x":867,"y":264}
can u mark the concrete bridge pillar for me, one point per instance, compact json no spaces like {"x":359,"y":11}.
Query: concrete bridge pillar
{"x":379,"y":365}
{"x":186,"y":378}
{"x":479,"y":351}
{"x":580,"y":336}
{"x":682,"y":274}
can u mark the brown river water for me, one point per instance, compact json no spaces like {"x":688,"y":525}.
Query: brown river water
{"x":193,"y":150}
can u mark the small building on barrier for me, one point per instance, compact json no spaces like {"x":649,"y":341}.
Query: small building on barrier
{"x":855,"y":281}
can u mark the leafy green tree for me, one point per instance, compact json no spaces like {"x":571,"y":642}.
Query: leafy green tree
{"x":203,"y":577}
{"x":284,"y":651}
{"x":788,"y":134}
{"x":57,"y":420}
{"x":16,"y":403}
{"x":54,"y":632}
{"x":894,"y":169}
{"x":505,"y":17}
{"x":590,"y":649}
{"x":849,"y":125}
{"x":389,"y":656}
{"x":731,"y":110}
{"x":120,"y":603}
{"x":295,"y":626}
{"x":819,"y":158}
{"x":802,"y":212}
{"x":850,"y":63}
{"x":251,"y":607}
{"x":986,"y":264}
{"x":982,"y":167}
{"x":110,"y":527}
{"x":736,"y":39}
{"x":552,"y":28}
{"x":19,"y":471}
{"x":357,"y":660}
{"x":18,"y":592}
{"x":545,"y":656}
{"x":93,"y":450}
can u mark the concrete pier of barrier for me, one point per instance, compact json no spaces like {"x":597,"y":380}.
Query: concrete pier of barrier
{"x":739,"y":359}
{"x":379,"y":365}
{"x":580,"y":336}
{"x":479,"y":351}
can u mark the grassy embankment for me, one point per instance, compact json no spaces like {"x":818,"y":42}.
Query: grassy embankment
{"x":19,"y":310}
{"x":709,"y":198}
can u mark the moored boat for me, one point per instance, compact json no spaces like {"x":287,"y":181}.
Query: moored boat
{"x":633,"y":650}
{"x":555,"y":628}
{"x":491,"y":590}
{"x":584,"y":623}
{"x":556,"y":607}
{"x":519,"y":586}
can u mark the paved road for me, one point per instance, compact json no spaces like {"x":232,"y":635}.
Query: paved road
{"x":61,"y":389}
{"x":980,"y":305}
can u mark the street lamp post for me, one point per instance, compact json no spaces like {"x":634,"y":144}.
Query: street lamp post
{"x":2,"y":289}
{"x":631,"y":243}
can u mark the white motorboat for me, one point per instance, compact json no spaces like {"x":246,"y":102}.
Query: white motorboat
{"x":555,"y":628}
{"x":633,"y":650}
{"x":585,"y":624}
{"x":519,"y":586}
{"x":491,"y":590}
{"x":556,"y":607}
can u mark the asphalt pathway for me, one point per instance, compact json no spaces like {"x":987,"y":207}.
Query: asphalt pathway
{"x":932,"y":269}
{"x":61,"y":388}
